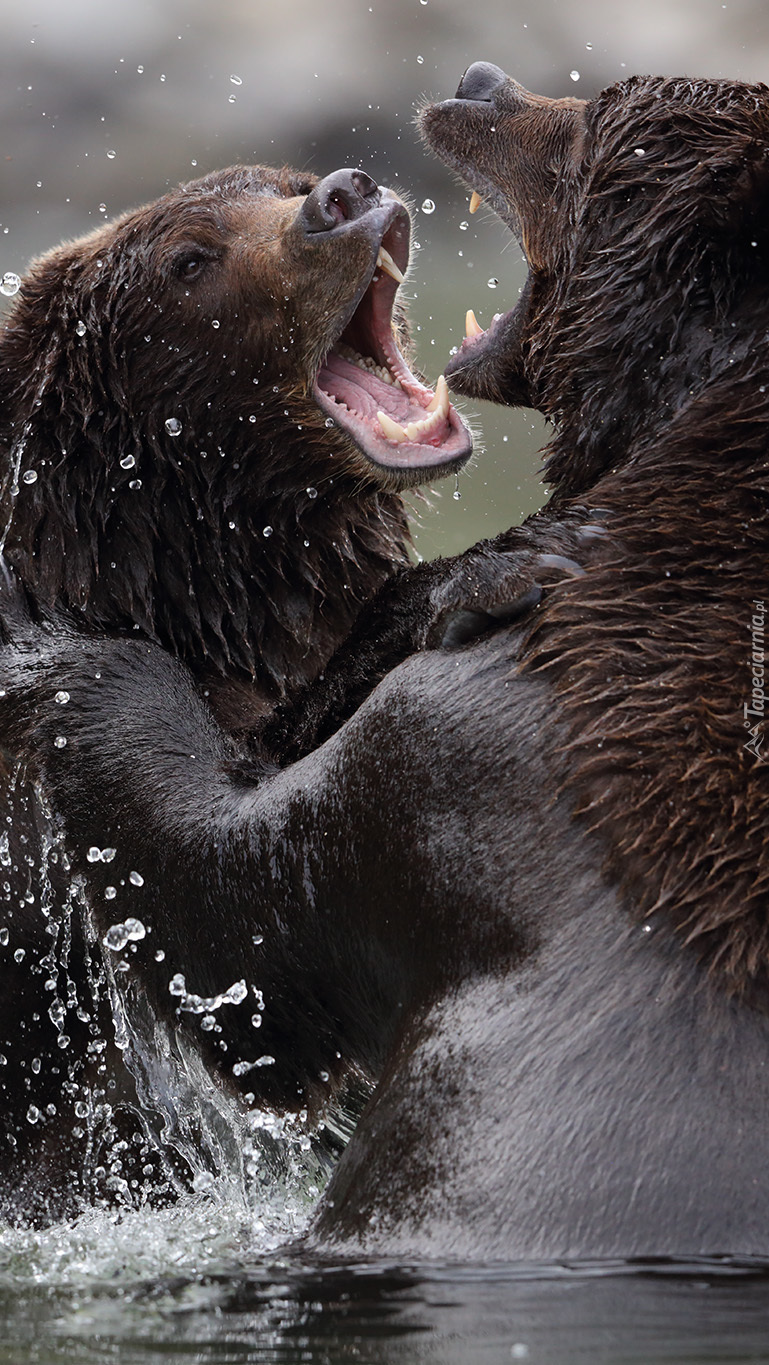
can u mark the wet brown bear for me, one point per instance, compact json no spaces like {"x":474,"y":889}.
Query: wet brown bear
{"x":528,"y":878}
{"x":206,"y":419}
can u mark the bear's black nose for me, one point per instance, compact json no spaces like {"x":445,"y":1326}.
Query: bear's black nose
{"x":480,"y":81}
{"x":339,"y":197}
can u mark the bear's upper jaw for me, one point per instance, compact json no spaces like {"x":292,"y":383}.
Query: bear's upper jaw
{"x":365,"y":385}
{"x":514,"y":150}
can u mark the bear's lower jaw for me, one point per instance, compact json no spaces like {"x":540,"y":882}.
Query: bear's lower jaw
{"x":490,"y":363}
{"x":399,"y":425}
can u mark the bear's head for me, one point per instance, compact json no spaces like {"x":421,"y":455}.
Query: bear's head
{"x":207,"y":417}
{"x":643,"y":218}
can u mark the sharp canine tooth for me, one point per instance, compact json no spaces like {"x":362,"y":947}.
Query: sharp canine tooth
{"x":475,"y":201}
{"x":472,"y":326}
{"x":441,"y":399}
{"x":385,"y":261}
{"x":392,"y":430}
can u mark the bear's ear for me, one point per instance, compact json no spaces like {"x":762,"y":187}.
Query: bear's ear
{"x":46,"y":323}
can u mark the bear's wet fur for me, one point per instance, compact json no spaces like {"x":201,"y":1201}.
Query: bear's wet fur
{"x":641,"y":342}
{"x":525,"y":882}
{"x":156,"y":382}
{"x":172,"y":474}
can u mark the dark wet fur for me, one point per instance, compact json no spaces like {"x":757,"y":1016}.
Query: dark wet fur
{"x":525,"y":882}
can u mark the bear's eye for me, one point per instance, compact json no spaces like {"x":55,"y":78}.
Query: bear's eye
{"x":191,"y":264}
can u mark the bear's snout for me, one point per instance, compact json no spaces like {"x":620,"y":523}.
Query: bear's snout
{"x":480,"y":81}
{"x":338,"y":198}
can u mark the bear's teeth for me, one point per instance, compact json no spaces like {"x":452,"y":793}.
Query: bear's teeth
{"x":438,"y":411}
{"x":441,"y":399}
{"x":392,"y":429}
{"x":366,"y":363}
{"x":475,"y":201}
{"x":385,"y":262}
{"x":472,"y":326}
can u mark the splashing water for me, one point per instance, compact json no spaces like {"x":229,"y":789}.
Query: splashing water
{"x":237,"y":1178}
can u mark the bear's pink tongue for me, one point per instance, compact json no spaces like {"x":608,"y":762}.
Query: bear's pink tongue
{"x":377,"y":394}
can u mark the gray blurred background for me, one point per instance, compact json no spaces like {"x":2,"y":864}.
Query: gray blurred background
{"x":104,"y":105}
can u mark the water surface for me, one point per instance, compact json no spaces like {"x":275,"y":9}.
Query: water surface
{"x":203,"y":1283}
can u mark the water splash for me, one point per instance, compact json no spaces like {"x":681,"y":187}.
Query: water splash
{"x":151,"y":1122}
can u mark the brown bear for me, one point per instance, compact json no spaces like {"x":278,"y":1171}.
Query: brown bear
{"x":526,"y":881}
{"x":207,"y":417}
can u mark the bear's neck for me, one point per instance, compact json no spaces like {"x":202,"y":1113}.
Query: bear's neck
{"x":253,"y":593}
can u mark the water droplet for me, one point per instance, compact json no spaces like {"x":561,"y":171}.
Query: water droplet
{"x":236,"y":993}
{"x":215,"y":322}
{"x":4,"y":936}
{"x":111,"y":155}
{"x":135,"y":483}
{"x":428,"y":206}
{"x":456,"y":494}
{"x":10,"y":284}
{"x":60,"y":742}
{"x":256,"y":1021}
{"x":62,"y":1041}
{"x":81,"y":328}
{"x":160,"y":955}
{"x":574,"y":75}
{"x":267,"y":532}
{"x":29,"y":476}
{"x":118,"y":935}
{"x":19,"y":955}
{"x":107,"y":855}
{"x":464,"y":226}
{"x":61,"y":698}
{"x":33,"y":1114}
{"x":127,"y":462}
{"x":140,"y":70}
{"x":136,"y":879}
{"x":110,"y":893}
{"x":57,"y":1012}
{"x":173,"y":426}
{"x":235,"y":80}
{"x":231,"y":99}
{"x":640,"y":151}
{"x":208,"y":1022}
{"x":420,"y":61}
{"x":312,"y":492}
{"x":492,"y":283}
{"x":589,"y":47}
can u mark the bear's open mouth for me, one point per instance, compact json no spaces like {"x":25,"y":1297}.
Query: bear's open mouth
{"x":365,"y":385}
{"x":478,"y":338}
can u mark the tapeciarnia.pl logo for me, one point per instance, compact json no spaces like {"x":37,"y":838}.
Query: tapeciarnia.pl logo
{"x":754,"y":711}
